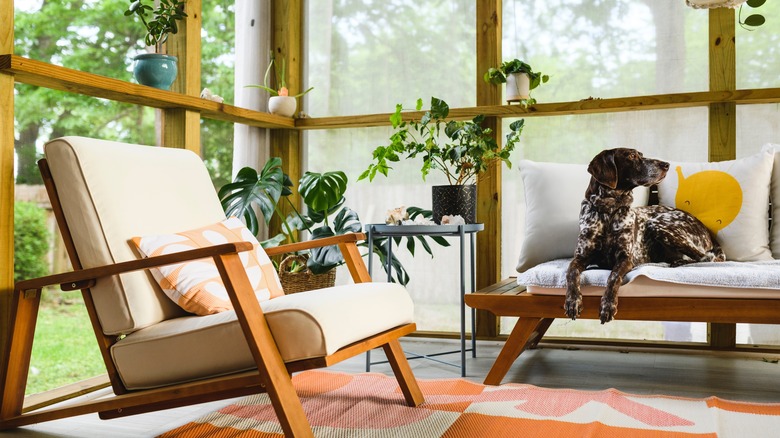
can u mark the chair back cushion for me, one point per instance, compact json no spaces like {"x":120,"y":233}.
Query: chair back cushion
{"x":111,"y":192}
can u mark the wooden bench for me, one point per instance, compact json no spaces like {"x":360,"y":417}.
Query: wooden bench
{"x":537,"y":312}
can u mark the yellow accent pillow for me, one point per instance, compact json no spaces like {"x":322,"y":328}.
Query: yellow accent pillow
{"x":196,"y":285}
{"x":731,"y":198}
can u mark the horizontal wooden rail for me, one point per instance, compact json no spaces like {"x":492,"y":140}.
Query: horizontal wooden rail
{"x":586,"y":106}
{"x":39,"y":73}
{"x":28,"y":71}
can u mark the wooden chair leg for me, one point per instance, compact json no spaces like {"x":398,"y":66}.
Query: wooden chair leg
{"x":14,"y":372}
{"x":516,"y":343}
{"x":403,"y":373}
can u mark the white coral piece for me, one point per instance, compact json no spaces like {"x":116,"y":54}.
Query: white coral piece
{"x":452,"y":220}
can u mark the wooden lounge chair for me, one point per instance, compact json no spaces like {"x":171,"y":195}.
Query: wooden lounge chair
{"x":158,"y":356}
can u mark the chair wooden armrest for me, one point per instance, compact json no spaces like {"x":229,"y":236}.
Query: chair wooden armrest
{"x":86,"y":278}
{"x":346,"y":242}
{"x":316,"y":243}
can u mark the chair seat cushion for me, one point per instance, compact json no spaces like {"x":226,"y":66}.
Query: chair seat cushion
{"x":304,"y":325}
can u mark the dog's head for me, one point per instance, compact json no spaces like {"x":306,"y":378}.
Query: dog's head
{"x":624,"y":169}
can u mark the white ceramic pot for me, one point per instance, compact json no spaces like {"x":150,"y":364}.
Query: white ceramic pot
{"x":518,"y":87}
{"x":282,"y":105}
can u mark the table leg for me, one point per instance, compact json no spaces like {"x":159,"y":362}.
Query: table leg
{"x":462,"y":302}
{"x":473,"y":311}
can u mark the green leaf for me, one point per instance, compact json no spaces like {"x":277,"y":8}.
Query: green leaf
{"x":439,"y":108}
{"x":419,"y":105}
{"x":754,"y":20}
{"x":325,"y":258}
{"x":274,"y":241}
{"x":417,"y":211}
{"x":440,"y":240}
{"x":425,"y":245}
{"x":396,"y":118}
{"x":517,"y":125}
{"x":347,"y":221}
{"x":249,"y":189}
{"x":365,"y":174}
{"x":410,"y":245}
{"x":322,"y":191}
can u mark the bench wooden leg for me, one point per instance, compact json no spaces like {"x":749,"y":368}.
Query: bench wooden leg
{"x":527,"y":332}
{"x":541,"y":329}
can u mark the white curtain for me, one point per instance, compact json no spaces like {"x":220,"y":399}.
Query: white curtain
{"x":253,"y":42}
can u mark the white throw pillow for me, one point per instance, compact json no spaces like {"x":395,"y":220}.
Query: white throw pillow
{"x":730,"y":197}
{"x":774,"y":235}
{"x":553,"y":195}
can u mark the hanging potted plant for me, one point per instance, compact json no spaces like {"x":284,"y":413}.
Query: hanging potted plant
{"x":520,"y":79}
{"x":749,"y":23}
{"x":157,"y":69}
{"x":279,"y":102}
{"x":465,"y":150}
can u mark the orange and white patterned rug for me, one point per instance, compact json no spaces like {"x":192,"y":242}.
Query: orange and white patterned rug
{"x":370,"y":405}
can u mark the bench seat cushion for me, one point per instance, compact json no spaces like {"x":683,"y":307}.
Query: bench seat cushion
{"x":697,"y":280}
{"x":305,"y":325}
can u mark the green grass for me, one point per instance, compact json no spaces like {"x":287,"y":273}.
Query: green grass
{"x":64,"y":349}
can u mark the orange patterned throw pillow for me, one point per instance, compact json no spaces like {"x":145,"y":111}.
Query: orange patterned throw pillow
{"x":196,"y":285}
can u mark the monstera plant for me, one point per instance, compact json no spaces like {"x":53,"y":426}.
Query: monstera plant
{"x":322,"y":193}
{"x":326,"y":215}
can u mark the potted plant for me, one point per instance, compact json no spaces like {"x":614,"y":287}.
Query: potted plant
{"x":465,"y":150}
{"x":157,"y":69}
{"x":520,"y":79}
{"x":323,"y":195}
{"x":279,"y":102}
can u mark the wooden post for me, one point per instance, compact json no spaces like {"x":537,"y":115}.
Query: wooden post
{"x":722,"y":120}
{"x":6,"y":179}
{"x":723,"y":77}
{"x":286,"y":43}
{"x":489,"y":183}
{"x":181,"y":128}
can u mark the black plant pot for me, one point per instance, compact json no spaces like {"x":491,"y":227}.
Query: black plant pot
{"x":455,"y":200}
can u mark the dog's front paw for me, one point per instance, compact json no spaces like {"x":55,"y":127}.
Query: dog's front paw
{"x":608,"y":310}
{"x":573,"y":306}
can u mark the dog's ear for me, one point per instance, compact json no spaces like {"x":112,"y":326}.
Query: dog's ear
{"x":604,"y":169}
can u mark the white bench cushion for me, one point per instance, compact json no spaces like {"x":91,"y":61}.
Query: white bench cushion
{"x":697,"y":280}
{"x":305,"y":325}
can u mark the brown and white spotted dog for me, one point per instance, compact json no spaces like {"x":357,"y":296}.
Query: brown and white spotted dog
{"x":615,"y":236}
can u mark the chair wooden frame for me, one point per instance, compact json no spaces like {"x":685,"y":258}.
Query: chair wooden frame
{"x":272,"y":375}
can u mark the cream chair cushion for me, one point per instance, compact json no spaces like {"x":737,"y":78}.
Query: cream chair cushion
{"x":111,"y":192}
{"x":304,"y":325}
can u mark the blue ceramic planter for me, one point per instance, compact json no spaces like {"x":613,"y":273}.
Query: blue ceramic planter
{"x":155,"y":70}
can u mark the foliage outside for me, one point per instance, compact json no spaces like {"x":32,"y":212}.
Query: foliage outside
{"x":64,"y":348}
{"x":100,"y":40}
{"x":31,"y":241}
{"x":467,"y":152}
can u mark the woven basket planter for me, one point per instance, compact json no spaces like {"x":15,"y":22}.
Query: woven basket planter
{"x":294,"y":282}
